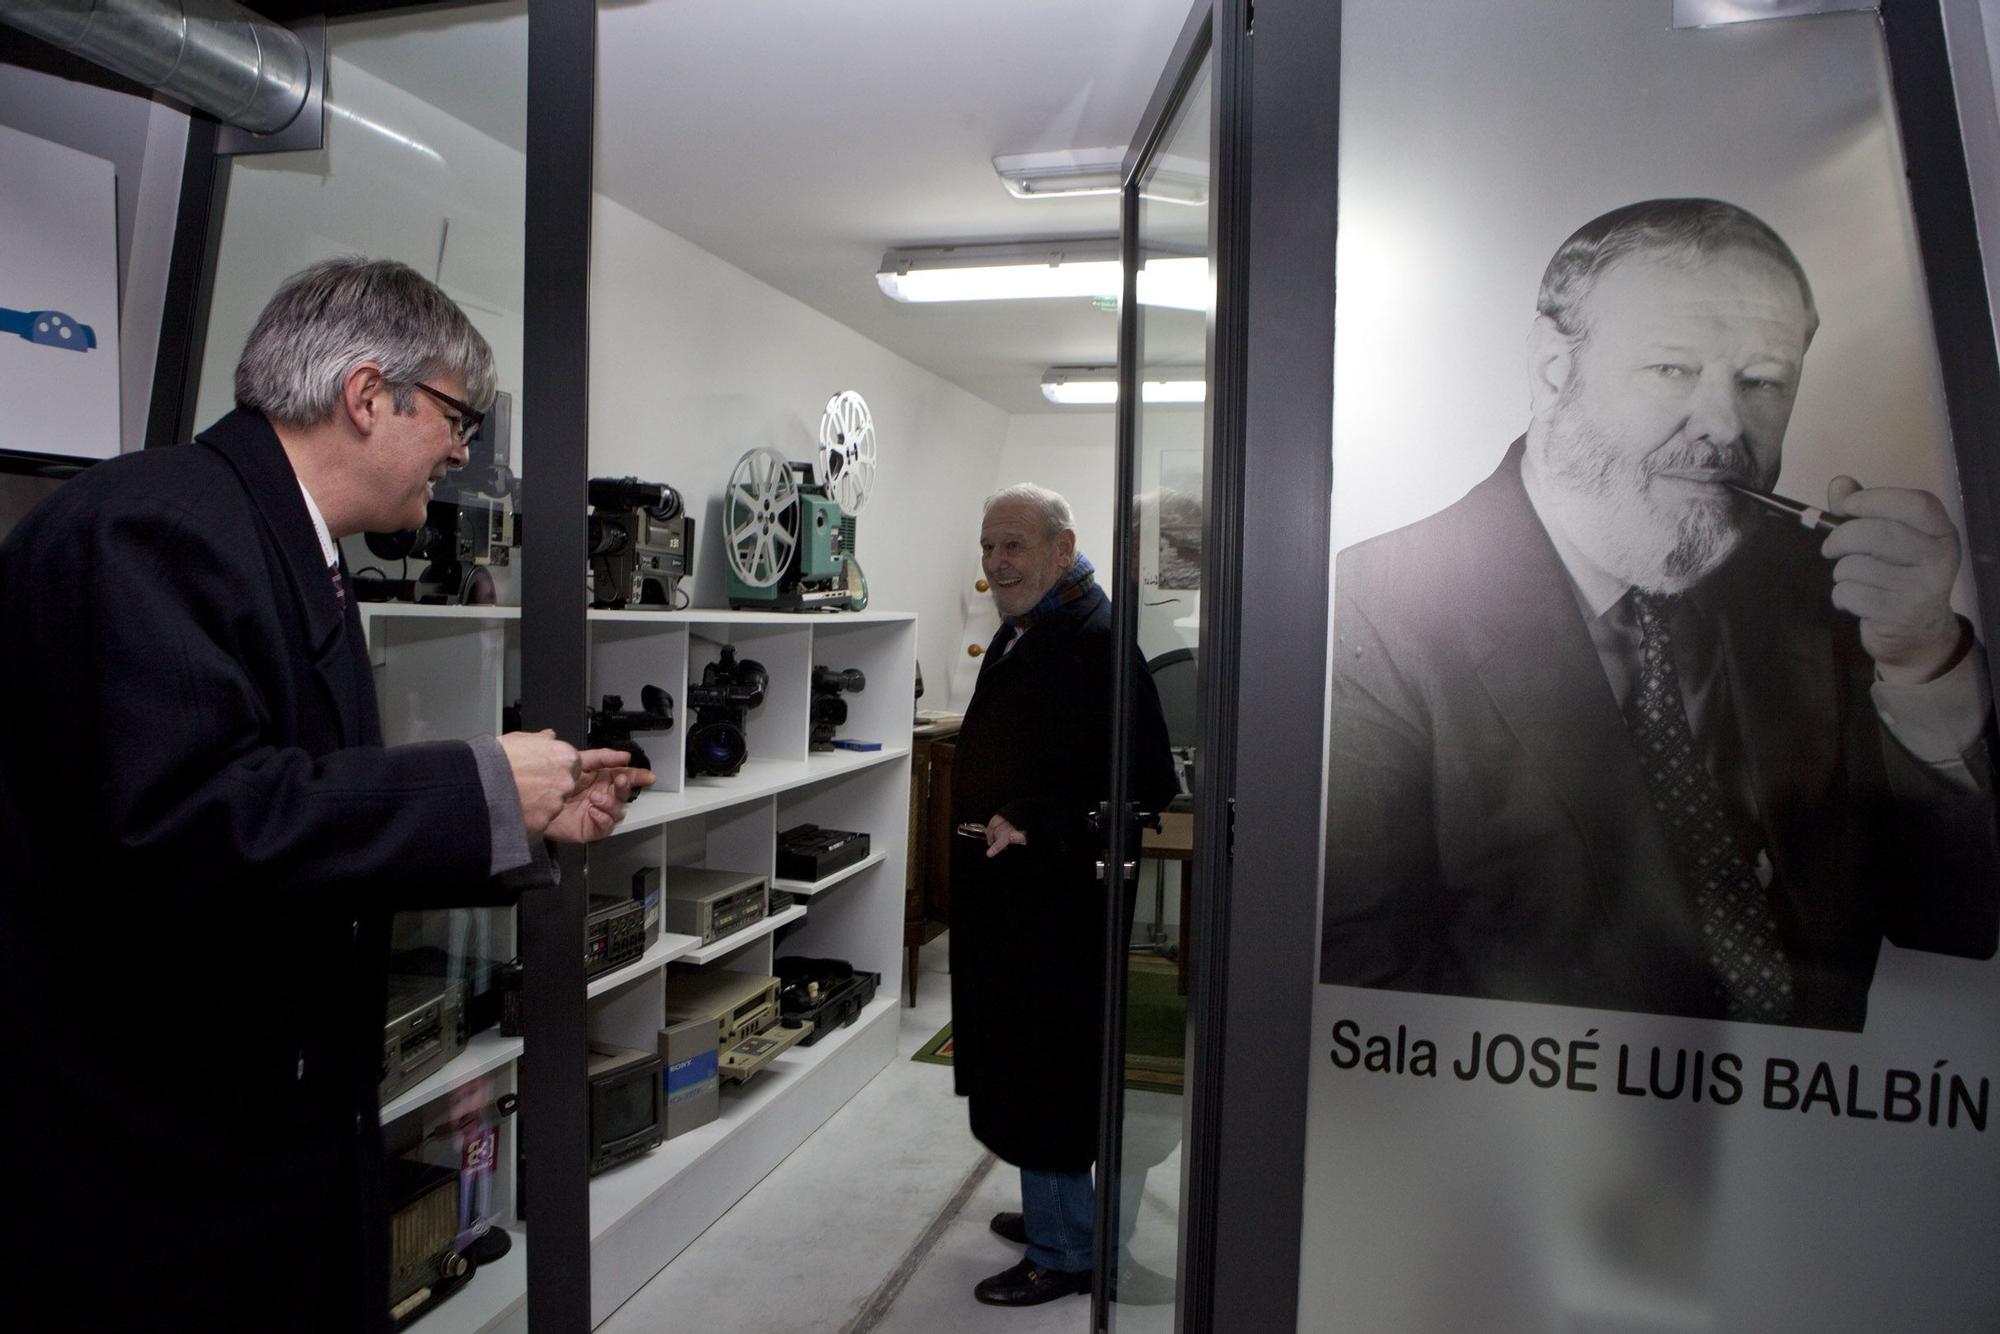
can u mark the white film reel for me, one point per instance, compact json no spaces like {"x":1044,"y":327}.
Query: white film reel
{"x":845,"y":462}
{"x":760,"y":517}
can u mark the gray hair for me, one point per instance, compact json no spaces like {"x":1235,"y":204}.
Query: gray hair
{"x":1687,"y":227}
{"x":1049,"y":507}
{"x":339,"y":313}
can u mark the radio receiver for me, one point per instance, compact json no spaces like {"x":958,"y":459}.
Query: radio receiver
{"x":791,"y":543}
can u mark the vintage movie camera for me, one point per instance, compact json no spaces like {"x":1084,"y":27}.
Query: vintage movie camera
{"x":641,"y":543}
{"x":613,"y":725}
{"x":469,"y":528}
{"x":791,"y":543}
{"x":717,"y":744}
{"x":829,"y":710}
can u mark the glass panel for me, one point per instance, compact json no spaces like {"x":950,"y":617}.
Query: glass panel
{"x":1174,"y":289}
{"x":423,"y":163}
{"x":1632,"y":948}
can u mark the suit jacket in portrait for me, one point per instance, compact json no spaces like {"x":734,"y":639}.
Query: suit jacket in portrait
{"x":203,"y":840}
{"x":1491,"y":834}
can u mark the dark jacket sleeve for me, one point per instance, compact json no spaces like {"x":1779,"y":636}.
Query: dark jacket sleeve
{"x":198,"y":756}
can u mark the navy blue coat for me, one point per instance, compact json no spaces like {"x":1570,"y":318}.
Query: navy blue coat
{"x":202,"y":839}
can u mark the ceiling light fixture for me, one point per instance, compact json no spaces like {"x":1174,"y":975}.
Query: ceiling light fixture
{"x":1040,"y":269}
{"x":1065,"y":173}
{"x":1096,"y":386}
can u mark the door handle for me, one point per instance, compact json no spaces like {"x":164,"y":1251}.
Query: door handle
{"x":1131,"y":872}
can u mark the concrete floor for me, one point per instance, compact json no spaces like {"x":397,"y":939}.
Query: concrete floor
{"x":877,"y":1223}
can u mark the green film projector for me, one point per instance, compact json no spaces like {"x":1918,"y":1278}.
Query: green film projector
{"x":790,"y":541}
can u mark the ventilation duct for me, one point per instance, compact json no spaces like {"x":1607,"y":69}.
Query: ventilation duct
{"x":217,"y":56}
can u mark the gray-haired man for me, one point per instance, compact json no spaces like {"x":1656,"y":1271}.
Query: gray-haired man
{"x":1606,"y":732}
{"x":196,"y":807}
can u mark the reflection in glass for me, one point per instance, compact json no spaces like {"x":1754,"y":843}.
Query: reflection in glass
{"x":423,"y":165}
{"x":1166,"y":528}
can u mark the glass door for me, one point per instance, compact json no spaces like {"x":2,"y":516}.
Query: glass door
{"x":1164,"y":570}
{"x":424,"y":163}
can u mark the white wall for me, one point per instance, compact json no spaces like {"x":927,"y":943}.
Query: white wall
{"x":692,"y":362}
{"x":144,"y":141}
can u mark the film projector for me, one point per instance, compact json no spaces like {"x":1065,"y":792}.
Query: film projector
{"x":790,"y":541}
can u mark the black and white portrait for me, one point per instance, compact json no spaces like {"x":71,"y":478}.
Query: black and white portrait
{"x":1621,"y":727}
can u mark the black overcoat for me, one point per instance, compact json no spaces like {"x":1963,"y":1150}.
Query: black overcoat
{"x":1027,"y":927}
{"x":202,"y":839}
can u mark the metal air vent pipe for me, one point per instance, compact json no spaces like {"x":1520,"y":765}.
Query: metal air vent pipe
{"x":217,"y":56}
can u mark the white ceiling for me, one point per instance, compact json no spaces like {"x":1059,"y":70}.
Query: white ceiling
{"x":799,"y":139}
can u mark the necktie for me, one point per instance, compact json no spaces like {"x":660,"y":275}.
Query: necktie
{"x":1739,"y":933}
{"x":339,"y":585}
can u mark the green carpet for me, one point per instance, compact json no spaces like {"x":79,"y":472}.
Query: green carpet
{"x":1155,"y":1029}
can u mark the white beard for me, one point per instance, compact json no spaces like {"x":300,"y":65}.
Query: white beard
{"x":1603,"y":502}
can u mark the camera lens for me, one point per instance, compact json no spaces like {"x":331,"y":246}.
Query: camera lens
{"x":716,"y":748}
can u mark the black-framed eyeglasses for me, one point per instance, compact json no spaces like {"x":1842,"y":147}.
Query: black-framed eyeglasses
{"x":469,"y":417}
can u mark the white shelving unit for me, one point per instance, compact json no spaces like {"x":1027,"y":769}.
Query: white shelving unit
{"x":445,"y":672}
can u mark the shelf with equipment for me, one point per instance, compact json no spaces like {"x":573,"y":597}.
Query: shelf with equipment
{"x":645,"y":1211}
{"x":445,"y":672}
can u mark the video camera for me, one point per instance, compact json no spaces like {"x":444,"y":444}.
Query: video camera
{"x":829,"y":710}
{"x":729,"y":689}
{"x":612,"y":726}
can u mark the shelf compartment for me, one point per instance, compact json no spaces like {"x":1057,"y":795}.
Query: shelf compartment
{"x":645,"y":1212}
{"x":485,"y":1053}
{"x":736,"y":940}
{"x":657,"y":956}
{"x":759,"y":779}
{"x":494,"y":1302}
{"x":808,"y":888}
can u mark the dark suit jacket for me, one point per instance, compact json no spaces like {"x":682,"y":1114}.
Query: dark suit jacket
{"x":1028,"y":926}
{"x":202,"y":841}
{"x":1491,"y":834}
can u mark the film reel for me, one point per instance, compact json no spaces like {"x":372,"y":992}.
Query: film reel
{"x":760,"y":517}
{"x":845,"y":461}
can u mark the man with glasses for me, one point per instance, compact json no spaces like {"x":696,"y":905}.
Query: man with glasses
{"x":196,"y":807}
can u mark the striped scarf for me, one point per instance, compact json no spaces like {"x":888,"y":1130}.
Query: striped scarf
{"x":1074,"y":583}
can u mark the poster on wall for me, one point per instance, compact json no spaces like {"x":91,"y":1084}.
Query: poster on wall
{"x":1662,"y":876}
{"x":58,"y":300}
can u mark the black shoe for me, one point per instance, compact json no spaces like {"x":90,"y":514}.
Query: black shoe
{"x":1011,"y":1227}
{"x":1028,"y":1284}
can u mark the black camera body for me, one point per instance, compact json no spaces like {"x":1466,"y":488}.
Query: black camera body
{"x":641,"y":543}
{"x":829,"y":710}
{"x":612,"y":725}
{"x":729,"y":689}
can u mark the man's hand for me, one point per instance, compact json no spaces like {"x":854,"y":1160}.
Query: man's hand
{"x":596,"y":803}
{"x":546,"y":773}
{"x":1894,"y":562}
{"x":1001,"y":835}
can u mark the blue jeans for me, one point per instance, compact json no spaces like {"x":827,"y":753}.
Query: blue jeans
{"x":1058,"y":1210}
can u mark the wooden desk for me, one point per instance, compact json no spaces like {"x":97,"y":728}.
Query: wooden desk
{"x":1173,"y":841}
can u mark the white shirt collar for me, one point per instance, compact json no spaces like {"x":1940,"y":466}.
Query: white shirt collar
{"x":326,"y":544}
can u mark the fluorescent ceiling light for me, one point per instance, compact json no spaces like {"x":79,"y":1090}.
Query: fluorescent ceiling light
{"x":1040,"y":269}
{"x":1074,"y":386}
{"x":1061,"y":172}
{"x":1065,"y":173}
